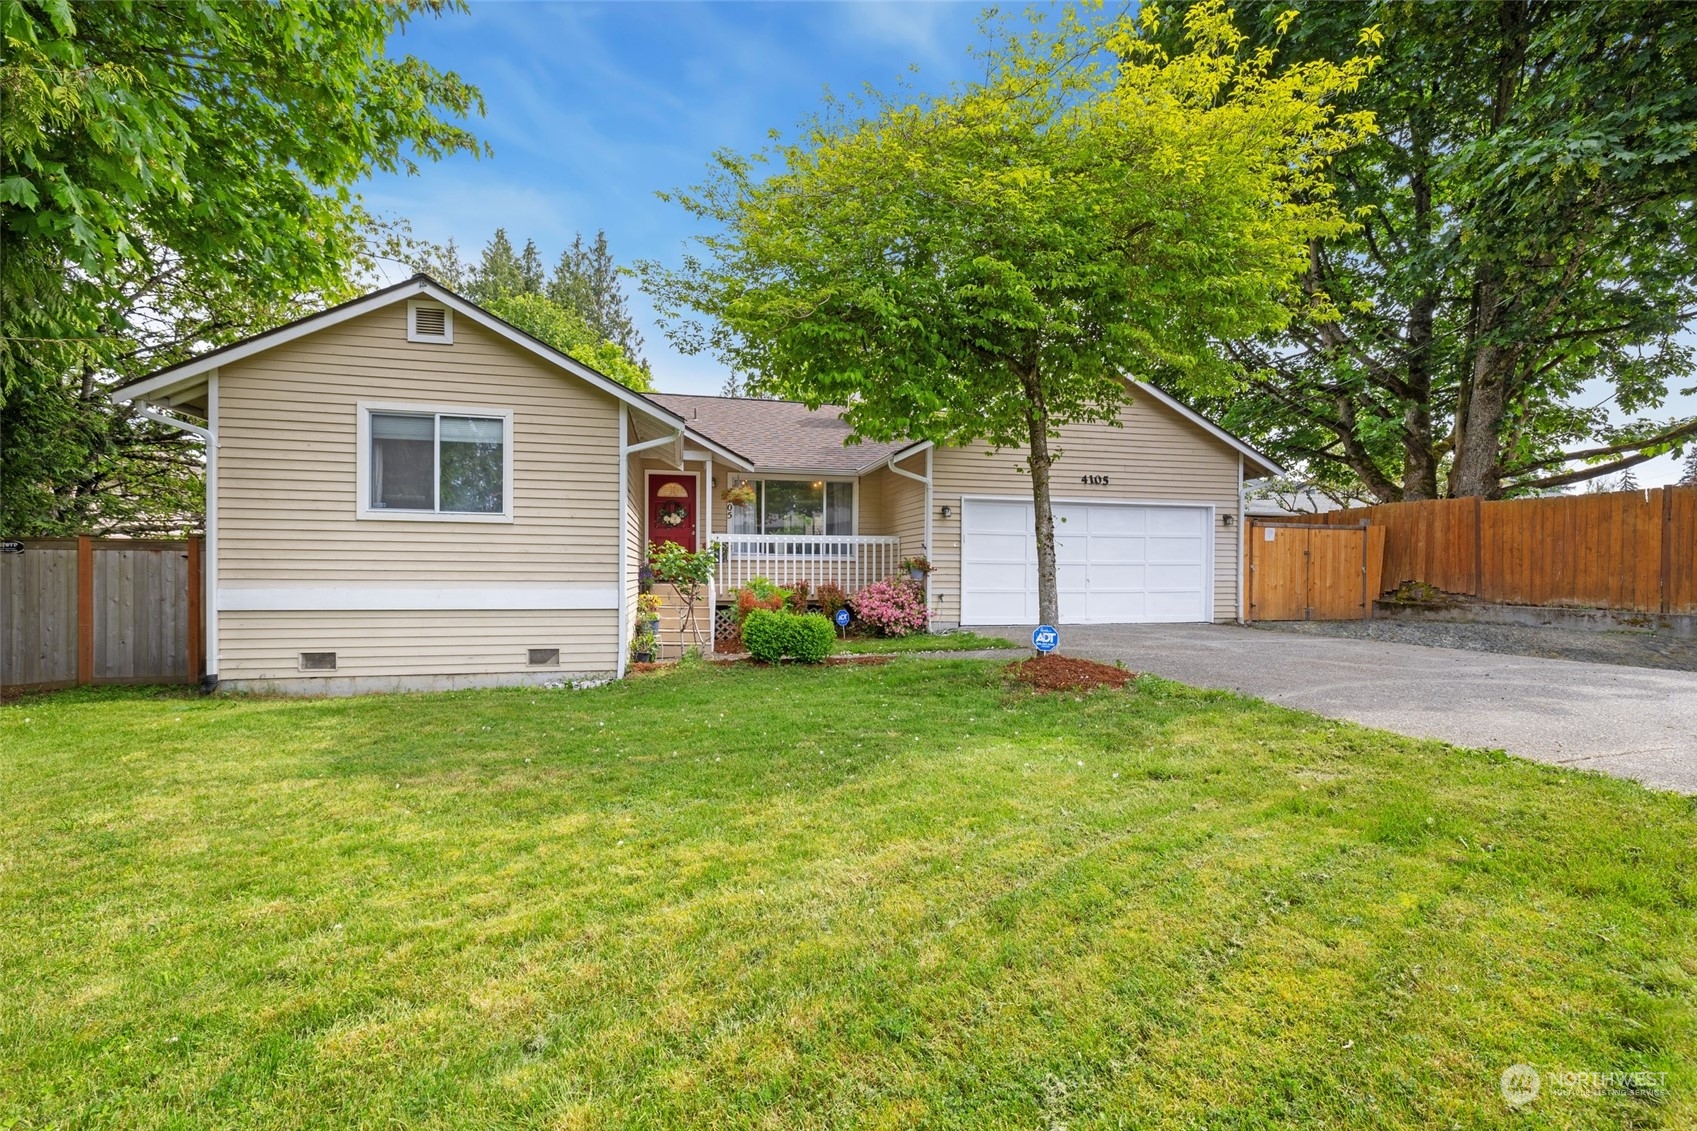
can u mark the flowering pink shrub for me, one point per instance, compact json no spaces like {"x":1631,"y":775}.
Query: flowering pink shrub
{"x":890,"y":608}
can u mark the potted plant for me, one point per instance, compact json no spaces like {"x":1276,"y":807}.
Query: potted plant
{"x":738,"y":495}
{"x":917,"y":567}
{"x":642,"y":648}
{"x":648,"y":612}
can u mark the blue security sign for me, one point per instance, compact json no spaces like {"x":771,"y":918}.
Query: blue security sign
{"x":842,"y":618}
{"x":1045,"y":639}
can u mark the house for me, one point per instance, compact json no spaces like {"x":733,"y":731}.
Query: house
{"x":404,"y":491}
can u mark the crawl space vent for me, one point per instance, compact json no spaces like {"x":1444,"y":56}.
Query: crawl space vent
{"x":544,"y":657}
{"x":318,"y":661}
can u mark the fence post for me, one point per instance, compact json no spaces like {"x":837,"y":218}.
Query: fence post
{"x":1667,"y":547}
{"x":194,"y":625}
{"x":85,"y":609}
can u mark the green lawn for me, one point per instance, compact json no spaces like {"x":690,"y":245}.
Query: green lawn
{"x":924,"y":642}
{"x":849,"y":897}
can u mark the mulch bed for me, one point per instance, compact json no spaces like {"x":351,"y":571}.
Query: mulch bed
{"x":830,"y":661}
{"x":1064,"y":673}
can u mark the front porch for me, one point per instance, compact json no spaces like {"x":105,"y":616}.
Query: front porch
{"x":848,"y":561}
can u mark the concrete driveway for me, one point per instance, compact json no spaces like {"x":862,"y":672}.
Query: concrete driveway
{"x":1631,"y":722}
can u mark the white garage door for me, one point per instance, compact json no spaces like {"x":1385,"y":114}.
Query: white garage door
{"x":1115,"y":563}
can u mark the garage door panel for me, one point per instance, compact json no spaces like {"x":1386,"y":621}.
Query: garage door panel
{"x":1173,"y":607}
{"x":1116,"y":563}
{"x":1001,"y":518}
{"x":999,"y":548}
{"x":1118,"y":520}
{"x":1116,"y":548}
{"x":1171,"y":577}
{"x":1176,"y":520}
{"x":1188,"y":550}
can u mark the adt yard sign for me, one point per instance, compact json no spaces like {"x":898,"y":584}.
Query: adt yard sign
{"x":1045,"y":639}
{"x":842,"y":618}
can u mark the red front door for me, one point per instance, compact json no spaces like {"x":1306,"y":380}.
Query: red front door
{"x":671,"y":509}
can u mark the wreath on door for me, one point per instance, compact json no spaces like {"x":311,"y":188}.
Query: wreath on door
{"x":673,"y":513}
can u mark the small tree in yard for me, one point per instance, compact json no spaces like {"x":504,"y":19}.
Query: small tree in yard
{"x":987,"y":265}
{"x":687,"y":571}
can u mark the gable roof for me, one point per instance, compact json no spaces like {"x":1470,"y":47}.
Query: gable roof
{"x":195,"y":370}
{"x":778,"y":435}
{"x":788,"y":436}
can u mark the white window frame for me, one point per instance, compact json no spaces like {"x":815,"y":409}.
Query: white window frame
{"x":759,"y":485}
{"x":446,"y":338}
{"x":362,"y":478}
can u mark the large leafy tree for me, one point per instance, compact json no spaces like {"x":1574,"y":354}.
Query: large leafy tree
{"x":1526,"y":237}
{"x":174,"y":176}
{"x":987,"y":265}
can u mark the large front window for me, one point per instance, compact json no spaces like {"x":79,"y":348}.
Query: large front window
{"x":796,"y":506}
{"x":437,"y":463}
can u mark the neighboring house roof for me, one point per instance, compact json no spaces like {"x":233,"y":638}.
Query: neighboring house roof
{"x":778,"y":435}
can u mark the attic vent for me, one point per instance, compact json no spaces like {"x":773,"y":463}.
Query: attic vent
{"x":318,"y":661}
{"x":429,"y":323}
{"x":544,"y":657}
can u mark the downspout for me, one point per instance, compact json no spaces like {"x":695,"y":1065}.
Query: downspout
{"x":1242,"y":544}
{"x":926,"y":547}
{"x":626,"y":450}
{"x":209,"y":571}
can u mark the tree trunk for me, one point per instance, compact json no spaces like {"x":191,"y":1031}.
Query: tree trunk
{"x":1478,"y":462}
{"x":1039,"y":462}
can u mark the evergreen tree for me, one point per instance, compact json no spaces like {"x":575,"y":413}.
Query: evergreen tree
{"x":530,"y":270}
{"x":586,"y":281}
{"x":1688,"y":476}
{"x":499,"y":273}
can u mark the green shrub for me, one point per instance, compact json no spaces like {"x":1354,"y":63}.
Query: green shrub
{"x":764,"y":634}
{"x":771,"y":635}
{"x":812,"y":638}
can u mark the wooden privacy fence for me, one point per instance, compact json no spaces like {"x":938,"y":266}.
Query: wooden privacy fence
{"x":1631,"y":550}
{"x":1303,"y":571}
{"x":100,"y":610}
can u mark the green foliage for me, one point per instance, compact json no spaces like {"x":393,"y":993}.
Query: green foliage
{"x":547,"y":321}
{"x":581,"y":311}
{"x":1524,"y":261}
{"x":686,"y":569}
{"x":174,"y":176}
{"x":772,"y":634}
{"x":586,"y":280}
{"x":989,"y":264}
{"x":870,"y":889}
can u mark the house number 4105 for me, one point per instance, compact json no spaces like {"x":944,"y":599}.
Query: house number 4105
{"x":1094,"y":480}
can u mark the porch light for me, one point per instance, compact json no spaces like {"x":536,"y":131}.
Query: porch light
{"x":947,"y":510}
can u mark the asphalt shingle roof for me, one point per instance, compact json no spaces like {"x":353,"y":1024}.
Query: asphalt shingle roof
{"x":777,"y":434}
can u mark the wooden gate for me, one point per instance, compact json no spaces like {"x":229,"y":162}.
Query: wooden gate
{"x":99,"y":610}
{"x":1299,"y":571}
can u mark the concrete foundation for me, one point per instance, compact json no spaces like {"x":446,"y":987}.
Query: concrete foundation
{"x":379,"y":685}
{"x":1682,"y":626}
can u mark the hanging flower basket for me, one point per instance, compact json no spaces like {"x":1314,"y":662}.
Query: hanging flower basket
{"x":740,"y":495}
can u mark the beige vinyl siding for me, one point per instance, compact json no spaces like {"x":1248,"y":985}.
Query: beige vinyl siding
{"x":1155,"y":456}
{"x":904,"y":506}
{"x":414,"y":645}
{"x":288,"y":481}
{"x":873,"y":499}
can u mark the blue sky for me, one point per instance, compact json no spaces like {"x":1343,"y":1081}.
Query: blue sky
{"x":593,"y":108}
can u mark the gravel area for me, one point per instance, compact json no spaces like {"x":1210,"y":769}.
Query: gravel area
{"x":1630,"y":647}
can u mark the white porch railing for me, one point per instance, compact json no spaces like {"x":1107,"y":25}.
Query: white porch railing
{"x":818,"y":559}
